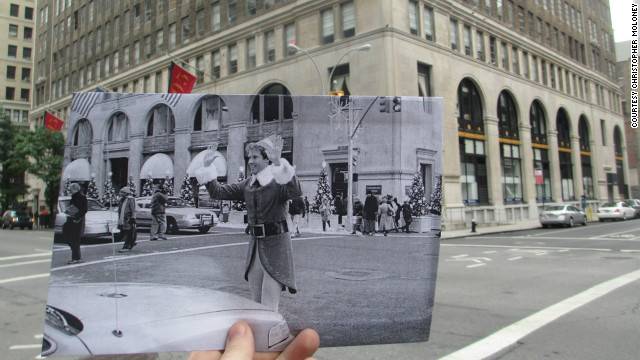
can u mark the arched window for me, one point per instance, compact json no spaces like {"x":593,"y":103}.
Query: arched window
{"x":585,"y":158}
{"x":509,"y":149}
{"x":272,"y":104}
{"x":617,"y":144}
{"x":541,"y":164}
{"x":118,"y":127}
{"x":210,"y":113}
{"x":564,"y":149}
{"x":161,"y":121}
{"x":83,"y":133}
{"x":473,"y":160}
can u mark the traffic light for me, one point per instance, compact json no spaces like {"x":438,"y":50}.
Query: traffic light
{"x":397,"y":104}
{"x":384,"y":104}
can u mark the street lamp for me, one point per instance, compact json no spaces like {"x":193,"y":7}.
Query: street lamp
{"x":295,"y":47}
{"x":365,"y":47}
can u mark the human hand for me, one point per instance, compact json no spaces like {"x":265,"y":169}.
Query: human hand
{"x":210,"y":154}
{"x":274,"y":153}
{"x":240,"y":346}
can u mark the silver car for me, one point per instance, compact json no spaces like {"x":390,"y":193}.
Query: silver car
{"x":618,"y":210}
{"x":93,"y":319}
{"x":180,"y":215}
{"x":98,"y":221}
{"x":562,"y":214}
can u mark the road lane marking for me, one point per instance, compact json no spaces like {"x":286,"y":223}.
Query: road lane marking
{"x":18,"y":257}
{"x":524,"y":247}
{"x":515,"y":258}
{"x":629,"y":251}
{"x":23,"y":347}
{"x":489,"y":252}
{"x":20,"y":278}
{"x":516,"y":331}
{"x":25,"y":263}
{"x":475,"y":265}
{"x":616,"y":233}
{"x":460,"y":256}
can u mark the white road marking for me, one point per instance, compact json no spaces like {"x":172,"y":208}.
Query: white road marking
{"x":489,"y":252}
{"x":23,"y":347}
{"x":18,"y":257}
{"x":20,"y":278}
{"x":524,"y":247}
{"x":516,"y":331}
{"x":25,"y":263}
{"x":515,"y":258}
{"x":630,"y":251}
{"x":459,"y":256}
{"x":475,"y":265}
{"x":616,"y":233}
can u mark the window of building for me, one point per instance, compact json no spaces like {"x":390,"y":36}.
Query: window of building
{"x":480,"y":45}
{"x":136,"y":52}
{"x":233,"y":59}
{"x":541,"y":162}
{"x":98,"y":70}
{"x":499,"y":10}
{"x":340,"y":79}
{"x":11,"y":72}
{"x":473,"y":171}
{"x":511,"y":13}
{"x":172,"y":36}
{"x":289,"y":38}
{"x":453,"y":34}
{"x":493,"y":51}
{"x":215,"y":64}
{"x":107,"y":34}
{"x":521,"y":25}
{"x":26,"y":75}
{"x":413,"y":17}
{"x":116,"y":61}
{"x":507,"y":117}
{"x":186,"y":28}
{"x":26,"y":53}
{"x":126,"y":57}
{"x":107,"y":66}
{"x":25,"y":115}
{"x":525,"y":65}
{"x":232,"y":12}
{"x":251,"y":7}
{"x":515,"y":60}
{"x":543,"y":67}
{"x":429,"y":28}
{"x":10,"y":93}
{"x":161,"y":121}
{"x":348,"y":19}
{"x":209,"y":115}
{"x":159,"y":41}
{"x":273,"y":104}
{"x":585,"y":158}
{"x":126,"y":21}
{"x":200,"y":69}
{"x":469,"y":108}
{"x":158,"y":81}
{"x":147,"y":46}
{"x":251,"y":52}
{"x":16,"y":115}
{"x":466,"y":33}
{"x":268,"y":4}
{"x":137,"y":13}
{"x":505,"y":56}
{"x":270,"y":46}
{"x":328,"y":27}
{"x":13,"y":30}
{"x":99,"y":38}
{"x":511,"y":173}
{"x":14,"y":10}
{"x":200,"y":23}
{"x":564,"y":149}
{"x":118,"y":127}
{"x":552,"y":75}
{"x":215,"y":16}
{"x":424,"y":79}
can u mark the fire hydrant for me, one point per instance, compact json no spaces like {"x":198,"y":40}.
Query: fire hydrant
{"x":473,"y":225}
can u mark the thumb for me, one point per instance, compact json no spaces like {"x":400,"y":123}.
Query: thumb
{"x":240,"y":345}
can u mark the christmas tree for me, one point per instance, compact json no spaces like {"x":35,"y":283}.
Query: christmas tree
{"x":93,"y":189}
{"x":109,"y":197}
{"x":435,"y":204}
{"x":186,"y":191}
{"x":322,"y":190}
{"x":416,"y":197}
{"x":240,"y":205}
{"x":132,"y":186}
{"x":65,"y":189}
{"x":168,"y":186}
{"x":147,"y":187}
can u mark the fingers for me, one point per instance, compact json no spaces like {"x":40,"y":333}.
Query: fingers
{"x":204,"y":355}
{"x":240,"y":345}
{"x":302,"y":347}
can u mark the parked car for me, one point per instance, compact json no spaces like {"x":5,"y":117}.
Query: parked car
{"x":562,"y":214}
{"x":19,"y":218}
{"x":81,"y":320}
{"x":98,"y":221}
{"x":180,"y":215}
{"x":635,"y":204}
{"x":618,"y":210}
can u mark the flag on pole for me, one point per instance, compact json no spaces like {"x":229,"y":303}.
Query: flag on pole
{"x":52,"y":122}
{"x":83,"y":102}
{"x":181,"y":80}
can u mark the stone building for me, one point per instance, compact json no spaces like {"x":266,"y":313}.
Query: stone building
{"x":532,"y":111}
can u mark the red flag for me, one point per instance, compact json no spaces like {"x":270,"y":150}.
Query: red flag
{"x":181,"y":80}
{"x":52,"y":122}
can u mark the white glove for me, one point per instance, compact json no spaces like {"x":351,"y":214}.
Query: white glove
{"x":206,"y":174}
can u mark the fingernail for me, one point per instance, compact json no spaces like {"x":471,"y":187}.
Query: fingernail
{"x":237,"y":330}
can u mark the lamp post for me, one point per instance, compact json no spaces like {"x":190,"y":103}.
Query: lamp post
{"x":297,"y":48}
{"x":365,"y":47}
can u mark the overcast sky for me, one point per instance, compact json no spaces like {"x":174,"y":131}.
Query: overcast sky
{"x":621,"y":19}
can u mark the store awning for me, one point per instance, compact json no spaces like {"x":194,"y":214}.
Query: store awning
{"x":77,"y":170}
{"x":198,"y":161}
{"x":158,"y":166}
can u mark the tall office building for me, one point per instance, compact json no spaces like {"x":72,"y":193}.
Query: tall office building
{"x":532,"y":110}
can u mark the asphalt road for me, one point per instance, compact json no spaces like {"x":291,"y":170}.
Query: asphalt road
{"x":547,"y":293}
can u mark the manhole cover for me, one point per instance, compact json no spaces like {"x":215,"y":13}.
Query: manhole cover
{"x":113,"y":295}
{"x":356,"y":274}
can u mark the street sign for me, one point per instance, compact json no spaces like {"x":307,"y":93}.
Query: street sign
{"x":538,"y":174}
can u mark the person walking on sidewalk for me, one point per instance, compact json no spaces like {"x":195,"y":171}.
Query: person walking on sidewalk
{"x":127,"y":219}
{"x":74,"y":226}
{"x":406,"y":216}
{"x":325,"y":212}
{"x":370,"y":212}
{"x":397,"y":208}
{"x":269,"y":266}
{"x":386,"y":214}
{"x":341,"y":208}
{"x":158,"y":215}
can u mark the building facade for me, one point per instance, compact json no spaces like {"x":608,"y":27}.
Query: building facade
{"x":532,"y":111}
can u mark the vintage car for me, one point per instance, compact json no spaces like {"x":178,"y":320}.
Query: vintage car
{"x":562,"y":214}
{"x":180,"y":215}
{"x":618,"y":210}
{"x":93,"y":319}
{"x":98,"y":221}
{"x":17,"y":218}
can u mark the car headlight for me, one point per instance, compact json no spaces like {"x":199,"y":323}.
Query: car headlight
{"x":278,"y":334}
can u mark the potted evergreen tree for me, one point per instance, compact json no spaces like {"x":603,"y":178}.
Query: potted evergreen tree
{"x":419,"y":222}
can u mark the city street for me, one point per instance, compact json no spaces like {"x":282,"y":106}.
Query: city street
{"x":560,"y":293}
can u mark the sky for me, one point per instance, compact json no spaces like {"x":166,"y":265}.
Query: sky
{"x":621,"y":19}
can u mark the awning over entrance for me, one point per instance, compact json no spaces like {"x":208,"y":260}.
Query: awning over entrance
{"x":198,"y":161}
{"x":77,"y":170}
{"x":158,"y":166}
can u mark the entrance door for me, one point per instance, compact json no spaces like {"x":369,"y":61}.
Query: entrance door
{"x":120,"y":171}
{"x":339,"y":179}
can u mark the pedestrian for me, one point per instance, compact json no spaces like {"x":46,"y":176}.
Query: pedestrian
{"x":358,"y":207}
{"x":341,"y":209}
{"x":406,"y":216}
{"x":269,"y":266}
{"x":36,"y":219}
{"x":370,"y":212}
{"x":325,"y":212}
{"x":296,"y":210}
{"x":306,"y":209}
{"x":127,"y":219}
{"x":158,"y":215}
{"x":386,"y":215}
{"x":74,"y":225}
{"x":396,"y":208}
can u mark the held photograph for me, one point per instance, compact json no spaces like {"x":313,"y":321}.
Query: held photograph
{"x":181,"y":214}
